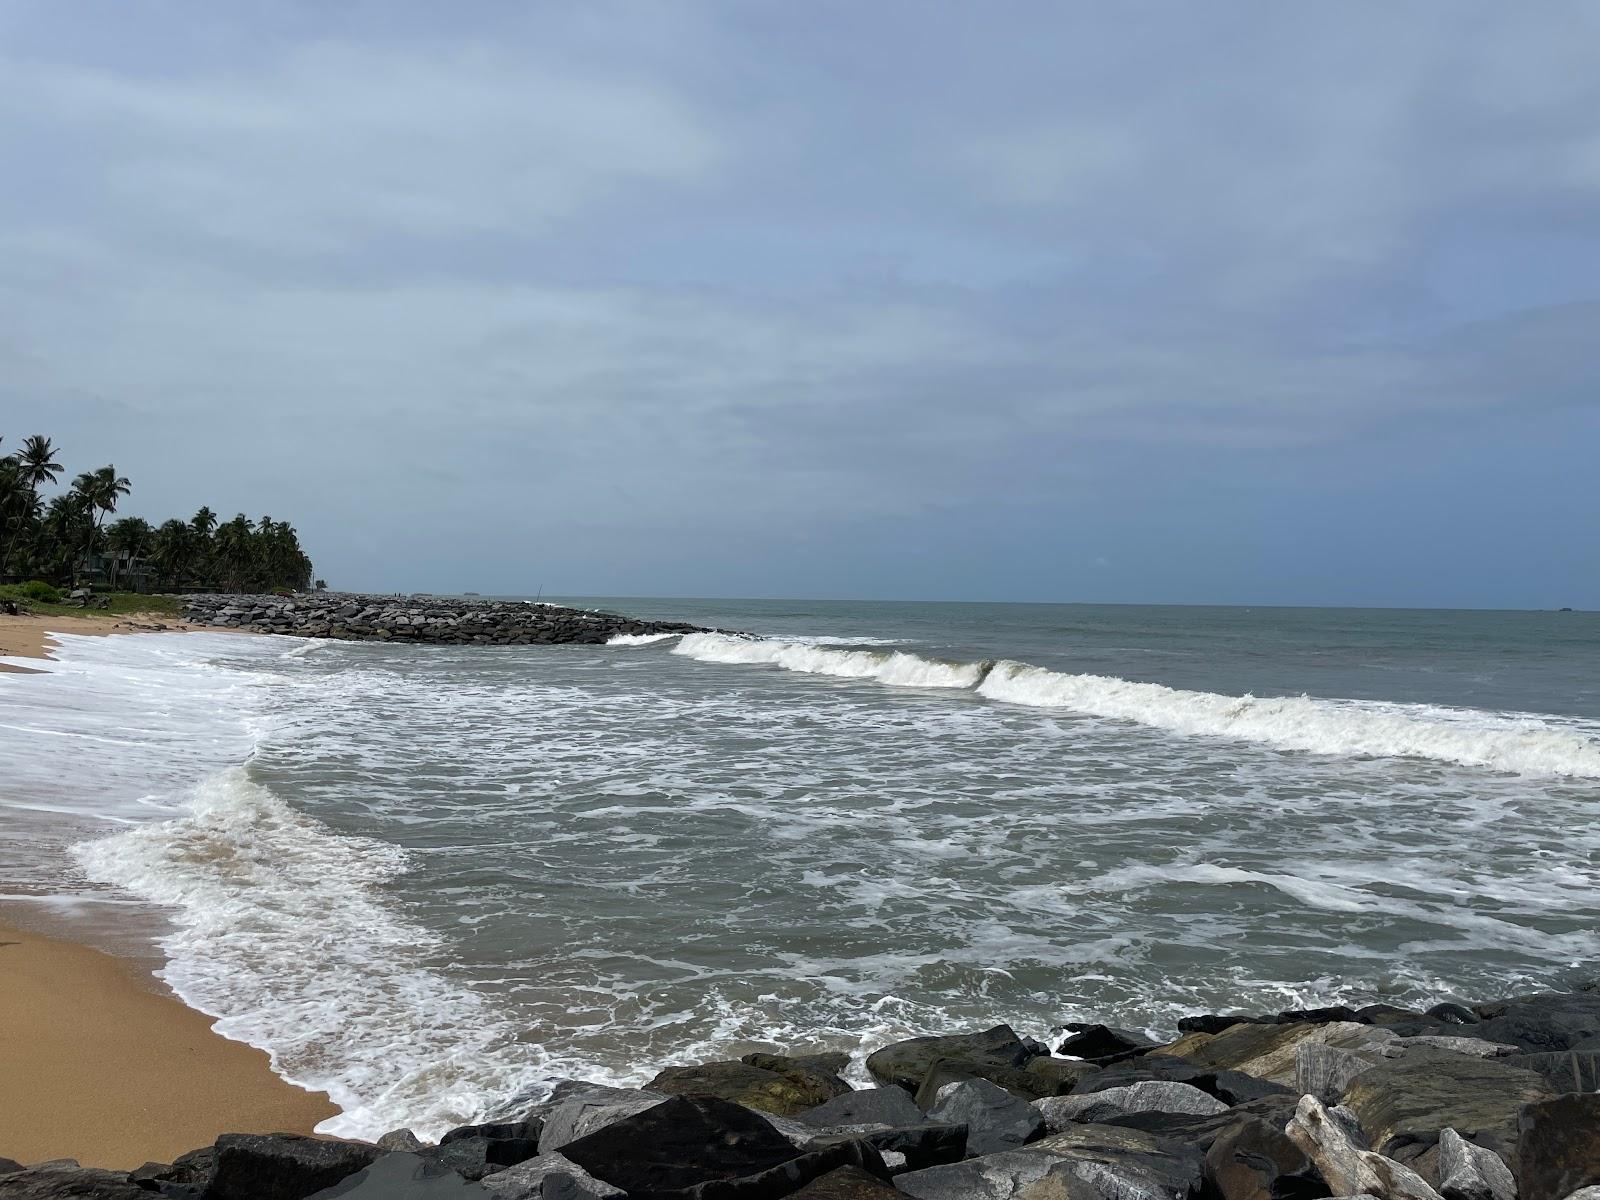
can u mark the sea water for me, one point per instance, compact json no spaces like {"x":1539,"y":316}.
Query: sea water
{"x":427,"y":879}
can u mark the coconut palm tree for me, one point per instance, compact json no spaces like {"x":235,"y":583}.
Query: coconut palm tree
{"x":34,"y":464}
{"x":100,"y":490}
{"x":129,"y":536}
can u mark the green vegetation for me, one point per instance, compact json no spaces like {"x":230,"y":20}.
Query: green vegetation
{"x":67,"y":540}
{"x":117,"y":604}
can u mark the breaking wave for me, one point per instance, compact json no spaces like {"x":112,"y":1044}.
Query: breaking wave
{"x":283,"y":935}
{"x":894,"y":667}
{"x":1520,"y":743}
{"x":638,"y":639}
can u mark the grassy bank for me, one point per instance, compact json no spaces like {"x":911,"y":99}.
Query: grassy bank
{"x":119,"y":604}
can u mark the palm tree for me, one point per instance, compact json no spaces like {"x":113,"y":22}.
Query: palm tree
{"x":127,"y":537}
{"x":100,"y":490}
{"x":174,"y":552}
{"x":34,"y":464}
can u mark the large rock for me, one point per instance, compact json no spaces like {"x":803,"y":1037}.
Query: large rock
{"x":1269,"y":1051}
{"x":919,"y":1146}
{"x":781,"y":1086}
{"x":870,"y":1106}
{"x":267,"y":1166}
{"x":1057,"y":1076}
{"x":682,"y":1147}
{"x":1059,"y":1112}
{"x":1251,"y":1160}
{"x":1558,"y":1151}
{"x":1019,"y":1081}
{"x":583,"y":1109}
{"x":1411,"y":1099}
{"x":1126,"y":1163}
{"x":906,"y":1063}
{"x":847,"y":1183}
{"x":1348,"y":1168}
{"x":1564,"y":1070}
{"x":51,"y":1182}
{"x":1231,"y":1087}
{"x":995,"y":1177}
{"x":402,"y":1176}
{"x":1101,"y":1041}
{"x":1201,"y":1132}
{"x":996,"y":1120}
{"x":1541,"y":1023}
{"x":555,"y":1174}
{"x":1469,"y":1172}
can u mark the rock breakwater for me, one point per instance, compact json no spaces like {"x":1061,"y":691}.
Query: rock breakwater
{"x":1490,"y":1101}
{"x":430,"y":620}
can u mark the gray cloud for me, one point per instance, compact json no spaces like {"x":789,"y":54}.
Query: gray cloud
{"x":728,"y":273}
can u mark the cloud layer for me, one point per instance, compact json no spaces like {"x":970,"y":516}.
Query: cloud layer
{"x":1244,"y":303}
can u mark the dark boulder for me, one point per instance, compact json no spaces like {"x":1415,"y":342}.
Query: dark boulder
{"x":906,"y":1063}
{"x":1565,"y":1070}
{"x":1541,"y":1023}
{"x":784,"y":1087}
{"x":578,"y":1109}
{"x":548,"y":1177}
{"x":925,"y":1145}
{"x":474,"y":1156}
{"x":1409,"y":1100}
{"x":1019,"y":1082}
{"x":870,"y":1106}
{"x":1057,"y":1076}
{"x":1216,"y":1022}
{"x":62,"y":1182}
{"x":8,"y":1165}
{"x":994,"y":1177}
{"x":263,"y":1166}
{"x":1101,"y":1041}
{"x":1252,"y":1160}
{"x":1558,"y":1148}
{"x":847,"y":1183}
{"x":402,"y":1176}
{"x":995,"y":1119}
{"x":1200,"y":1132}
{"x":1126,"y":1162}
{"x":706,"y":1147}
{"x":1231,"y":1087}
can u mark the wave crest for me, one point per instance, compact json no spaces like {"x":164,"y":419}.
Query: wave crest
{"x":893,"y":667}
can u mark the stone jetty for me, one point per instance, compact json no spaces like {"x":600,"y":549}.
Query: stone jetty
{"x":428,"y":620}
{"x":1491,"y":1101}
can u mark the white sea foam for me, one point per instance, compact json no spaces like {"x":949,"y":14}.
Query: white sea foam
{"x":893,"y":667}
{"x":1514,"y":742}
{"x":284,"y":935}
{"x":638,"y":639}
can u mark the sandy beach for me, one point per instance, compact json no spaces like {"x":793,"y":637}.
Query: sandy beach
{"x":99,"y":1064}
{"x":29,"y":636}
{"x":100,"y":1067}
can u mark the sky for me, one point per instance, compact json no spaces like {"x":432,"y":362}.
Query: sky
{"x":1242,"y":302}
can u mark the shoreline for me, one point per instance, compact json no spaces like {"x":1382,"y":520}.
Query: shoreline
{"x":108,"y":1071}
{"x":31,"y":635}
{"x":102,"y":1063}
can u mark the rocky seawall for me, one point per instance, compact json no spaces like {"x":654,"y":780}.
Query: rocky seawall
{"x":1492,"y":1101}
{"x":430,"y":620}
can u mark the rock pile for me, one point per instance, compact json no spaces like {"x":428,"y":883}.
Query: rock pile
{"x":1489,"y":1102}
{"x":430,"y":620}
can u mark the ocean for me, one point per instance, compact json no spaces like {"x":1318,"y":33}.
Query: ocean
{"x":430,"y":879}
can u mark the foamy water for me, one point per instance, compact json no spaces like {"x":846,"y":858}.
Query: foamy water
{"x":428,"y":879}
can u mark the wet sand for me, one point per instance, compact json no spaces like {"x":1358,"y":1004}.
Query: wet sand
{"x":100,"y":1067}
{"x":98,"y":1063}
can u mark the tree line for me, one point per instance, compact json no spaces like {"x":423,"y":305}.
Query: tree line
{"x":58,"y":538}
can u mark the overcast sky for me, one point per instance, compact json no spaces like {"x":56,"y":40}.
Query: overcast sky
{"x":1231,"y":302}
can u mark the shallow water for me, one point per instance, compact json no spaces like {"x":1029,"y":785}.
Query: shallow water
{"x":425,"y":878}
